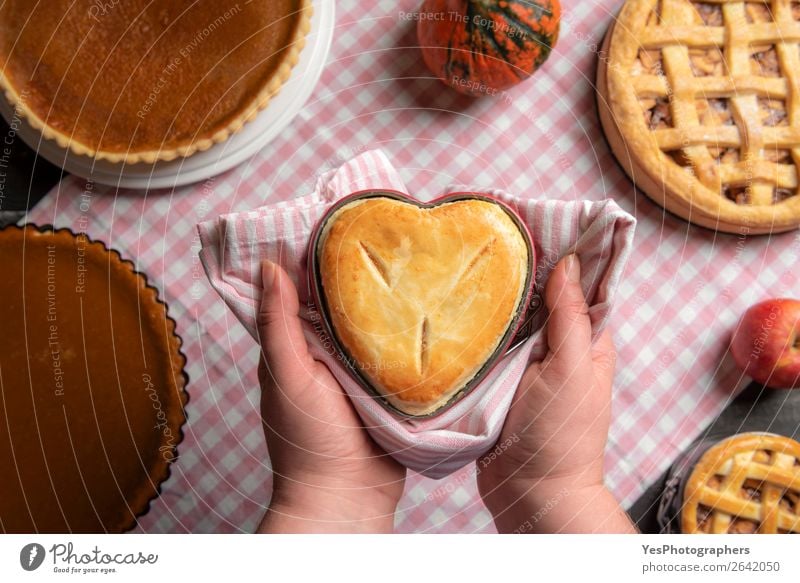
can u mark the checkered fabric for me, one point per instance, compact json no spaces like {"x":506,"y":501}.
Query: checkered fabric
{"x":683,"y":291}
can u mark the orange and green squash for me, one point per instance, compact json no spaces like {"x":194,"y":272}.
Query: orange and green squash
{"x":482,"y":47}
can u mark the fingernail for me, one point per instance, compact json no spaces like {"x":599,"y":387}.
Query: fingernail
{"x":573,"y":268}
{"x":268,"y":272}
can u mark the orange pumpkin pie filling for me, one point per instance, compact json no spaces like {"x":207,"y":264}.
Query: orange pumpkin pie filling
{"x":139,"y":81}
{"x":91,"y":386}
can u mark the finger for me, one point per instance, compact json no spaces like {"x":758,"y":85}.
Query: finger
{"x":569,"y":330}
{"x":604,"y":357}
{"x":279,"y":328}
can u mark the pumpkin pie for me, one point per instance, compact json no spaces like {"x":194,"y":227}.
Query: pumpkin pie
{"x":92,"y":386}
{"x":421,"y":299}
{"x":701,"y":105}
{"x":140,"y":81}
{"x":745,"y":484}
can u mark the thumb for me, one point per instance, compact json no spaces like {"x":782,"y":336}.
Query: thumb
{"x":569,"y":330}
{"x":279,"y":328}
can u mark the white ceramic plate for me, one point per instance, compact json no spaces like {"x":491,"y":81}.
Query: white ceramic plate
{"x":219,"y":158}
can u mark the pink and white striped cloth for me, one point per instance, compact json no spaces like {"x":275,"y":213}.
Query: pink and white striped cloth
{"x":234,"y":245}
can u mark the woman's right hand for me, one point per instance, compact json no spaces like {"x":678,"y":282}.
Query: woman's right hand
{"x":549,"y":474}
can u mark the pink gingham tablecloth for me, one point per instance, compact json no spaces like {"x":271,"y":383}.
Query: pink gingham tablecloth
{"x":683,"y":290}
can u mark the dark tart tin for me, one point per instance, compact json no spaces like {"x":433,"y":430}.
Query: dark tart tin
{"x":139,"y":492}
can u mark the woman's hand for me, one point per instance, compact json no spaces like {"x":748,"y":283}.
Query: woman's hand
{"x":550,"y":476}
{"x":329,"y":476}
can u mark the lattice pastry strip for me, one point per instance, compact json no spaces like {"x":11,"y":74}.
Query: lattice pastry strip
{"x":678,"y":70}
{"x":737,"y":50}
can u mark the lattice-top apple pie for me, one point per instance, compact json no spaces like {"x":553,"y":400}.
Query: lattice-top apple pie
{"x":701,"y":104}
{"x":746,"y":484}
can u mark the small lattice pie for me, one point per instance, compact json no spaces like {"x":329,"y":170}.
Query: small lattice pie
{"x":422,"y":298}
{"x":748,"y":483}
{"x":701,"y":105}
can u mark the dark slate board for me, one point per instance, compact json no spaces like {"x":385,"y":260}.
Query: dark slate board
{"x":755,"y":409}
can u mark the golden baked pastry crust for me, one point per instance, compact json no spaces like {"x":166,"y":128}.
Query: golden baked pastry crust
{"x":93,"y":386}
{"x":749,"y":483}
{"x":420,"y":298}
{"x":701,"y":105}
{"x":144,"y":81}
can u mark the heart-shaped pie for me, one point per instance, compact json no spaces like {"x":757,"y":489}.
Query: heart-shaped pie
{"x":421,"y":299}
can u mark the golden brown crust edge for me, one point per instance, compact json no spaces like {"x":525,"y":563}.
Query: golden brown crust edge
{"x":258,"y":104}
{"x":426,"y":398}
{"x":715,"y":457}
{"x":637,"y":153}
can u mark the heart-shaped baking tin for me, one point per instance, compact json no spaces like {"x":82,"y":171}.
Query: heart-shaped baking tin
{"x":515,"y":334}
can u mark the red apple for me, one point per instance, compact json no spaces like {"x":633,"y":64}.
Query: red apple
{"x":766,"y":343}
